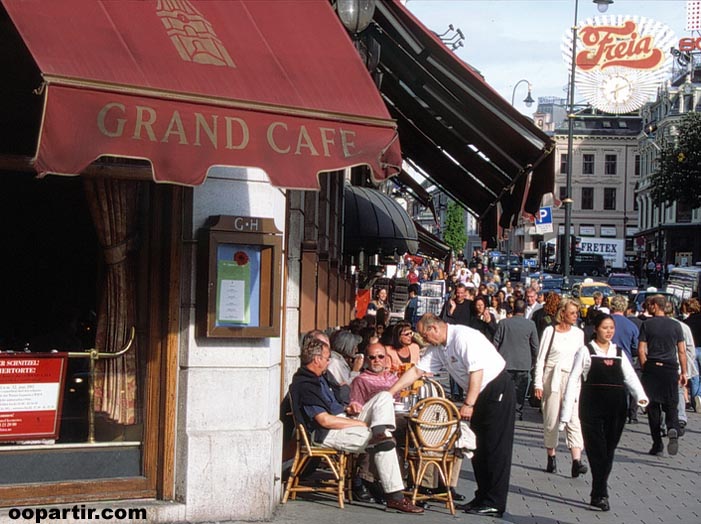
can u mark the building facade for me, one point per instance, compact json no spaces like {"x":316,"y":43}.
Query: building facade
{"x":605,"y":171}
{"x":670,"y":232}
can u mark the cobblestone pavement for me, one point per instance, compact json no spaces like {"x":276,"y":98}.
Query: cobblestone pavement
{"x":643,"y":488}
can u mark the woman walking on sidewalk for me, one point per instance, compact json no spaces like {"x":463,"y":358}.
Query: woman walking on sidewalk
{"x":604,"y":376}
{"x":552,"y":370}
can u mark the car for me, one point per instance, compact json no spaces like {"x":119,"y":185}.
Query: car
{"x":552,"y":283}
{"x":623,"y":283}
{"x":584,"y":292}
{"x":640,"y":297}
{"x":514,"y":265}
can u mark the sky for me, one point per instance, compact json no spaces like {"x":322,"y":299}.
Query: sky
{"x":510,"y":40}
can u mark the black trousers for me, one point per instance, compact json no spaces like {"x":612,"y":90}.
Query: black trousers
{"x":661,"y":386}
{"x":602,"y":412}
{"x":520,"y":381}
{"x":493,"y":422}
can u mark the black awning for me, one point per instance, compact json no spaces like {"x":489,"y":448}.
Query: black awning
{"x":430,"y":245}
{"x":469,"y":140}
{"x":376,"y":224}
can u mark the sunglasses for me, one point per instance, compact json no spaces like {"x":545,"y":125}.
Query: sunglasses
{"x":407,"y":333}
{"x":375,"y":357}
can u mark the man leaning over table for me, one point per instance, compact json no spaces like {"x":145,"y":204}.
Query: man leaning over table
{"x":333,"y":426}
{"x":490,"y":403}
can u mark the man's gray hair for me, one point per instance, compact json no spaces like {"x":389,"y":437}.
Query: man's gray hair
{"x":619,"y":304}
{"x":311,"y":348}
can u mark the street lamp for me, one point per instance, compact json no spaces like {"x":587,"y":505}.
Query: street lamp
{"x":529,"y":99}
{"x":602,"y":5}
{"x":355,"y":15}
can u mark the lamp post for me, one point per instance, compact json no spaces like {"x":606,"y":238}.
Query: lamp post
{"x":602,"y":5}
{"x":529,"y":99}
{"x":529,"y":102}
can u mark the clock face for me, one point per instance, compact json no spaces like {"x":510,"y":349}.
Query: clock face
{"x":617,"y":90}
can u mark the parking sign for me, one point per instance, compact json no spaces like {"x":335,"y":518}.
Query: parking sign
{"x":544,"y":220}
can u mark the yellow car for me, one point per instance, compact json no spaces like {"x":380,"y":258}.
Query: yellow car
{"x":584,"y":292}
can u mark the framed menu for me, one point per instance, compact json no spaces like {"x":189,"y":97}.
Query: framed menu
{"x":239,"y":278}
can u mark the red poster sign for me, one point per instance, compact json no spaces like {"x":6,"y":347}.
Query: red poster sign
{"x":31,"y":388}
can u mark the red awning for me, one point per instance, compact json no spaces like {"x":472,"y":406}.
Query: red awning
{"x":192,"y":84}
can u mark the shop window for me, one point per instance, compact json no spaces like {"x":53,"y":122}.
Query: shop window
{"x":81,"y":276}
{"x":587,"y":164}
{"x":609,"y":198}
{"x":637,"y":165}
{"x":587,"y":198}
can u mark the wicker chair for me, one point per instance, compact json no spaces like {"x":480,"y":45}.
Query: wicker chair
{"x":339,"y":464}
{"x":432,"y":432}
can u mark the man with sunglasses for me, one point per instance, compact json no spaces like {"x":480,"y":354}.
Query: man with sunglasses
{"x":348,"y":429}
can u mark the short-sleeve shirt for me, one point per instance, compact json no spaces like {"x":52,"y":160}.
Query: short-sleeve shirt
{"x":466,"y":350}
{"x":662,"y":335}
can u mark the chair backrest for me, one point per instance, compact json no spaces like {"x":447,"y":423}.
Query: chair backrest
{"x":434,"y":424}
{"x":433,"y":388}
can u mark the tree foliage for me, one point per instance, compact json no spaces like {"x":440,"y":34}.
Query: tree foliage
{"x":454,"y":230}
{"x":679,"y":175}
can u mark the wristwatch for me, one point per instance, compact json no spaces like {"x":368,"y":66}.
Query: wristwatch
{"x":469,"y":405}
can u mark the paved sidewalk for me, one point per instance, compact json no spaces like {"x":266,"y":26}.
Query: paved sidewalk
{"x":643,"y":489}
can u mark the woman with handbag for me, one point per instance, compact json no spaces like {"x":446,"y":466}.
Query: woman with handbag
{"x":603,"y":402}
{"x":558,"y":346}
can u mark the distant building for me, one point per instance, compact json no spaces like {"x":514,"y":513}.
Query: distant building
{"x":551,"y":113}
{"x":605,"y":172}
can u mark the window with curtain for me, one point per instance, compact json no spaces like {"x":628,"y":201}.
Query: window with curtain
{"x":609,"y":198}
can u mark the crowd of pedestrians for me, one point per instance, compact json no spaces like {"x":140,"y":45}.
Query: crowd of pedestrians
{"x":504,"y":344}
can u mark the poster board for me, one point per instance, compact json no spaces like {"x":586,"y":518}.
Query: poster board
{"x":31,"y":394}
{"x":239,"y":275}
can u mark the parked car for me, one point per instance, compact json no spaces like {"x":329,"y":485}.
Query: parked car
{"x":623,"y":283}
{"x":514,"y":265}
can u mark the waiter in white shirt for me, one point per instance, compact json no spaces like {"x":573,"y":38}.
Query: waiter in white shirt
{"x":532,"y":304}
{"x":490,"y":403}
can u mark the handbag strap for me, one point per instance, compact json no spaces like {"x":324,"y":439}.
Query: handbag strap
{"x":550,"y":345}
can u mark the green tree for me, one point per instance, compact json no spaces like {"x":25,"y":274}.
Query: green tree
{"x":454,"y":230}
{"x":679,"y":176}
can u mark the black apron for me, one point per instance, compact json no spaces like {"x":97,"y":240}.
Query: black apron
{"x":603,"y":392}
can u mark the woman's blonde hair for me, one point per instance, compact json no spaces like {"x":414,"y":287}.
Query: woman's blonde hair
{"x":564,"y":304}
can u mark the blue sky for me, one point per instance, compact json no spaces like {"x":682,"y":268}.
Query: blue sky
{"x":510,"y":40}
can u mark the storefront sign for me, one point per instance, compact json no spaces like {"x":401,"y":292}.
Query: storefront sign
{"x":608,"y":231}
{"x":183,"y":140}
{"x":620,"y":60}
{"x":587,"y":231}
{"x":31,"y":388}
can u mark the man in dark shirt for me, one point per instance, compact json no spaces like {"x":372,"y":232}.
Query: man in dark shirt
{"x":333,"y":426}
{"x":516,"y":339}
{"x":458,"y":310}
{"x":662,"y":354}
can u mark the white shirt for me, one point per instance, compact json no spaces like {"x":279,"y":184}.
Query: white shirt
{"x":580,"y":370}
{"x":532,"y":309}
{"x":561,"y":354}
{"x":466,"y":350}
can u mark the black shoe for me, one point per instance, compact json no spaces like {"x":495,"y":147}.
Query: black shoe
{"x":552,"y":464}
{"x":673,"y":444}
{"x":469,"y":505}
{"x":376,"y":492}
{"x":578,"y":468}
{"x":632,"y":420}
{"x":485,"y":511}
{"x":361,"y":494}
{"x":600,"y":502}
{"x":657,"y":451}
{"x":457,"y":497}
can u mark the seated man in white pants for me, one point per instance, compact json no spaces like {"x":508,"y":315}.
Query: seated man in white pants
{"x":334,"y":426}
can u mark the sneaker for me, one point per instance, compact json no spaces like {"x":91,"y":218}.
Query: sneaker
{"x":697,"y":404}
{"x":673,"y":444}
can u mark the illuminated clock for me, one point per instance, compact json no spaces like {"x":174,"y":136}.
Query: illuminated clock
{"x":617,"y":90}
